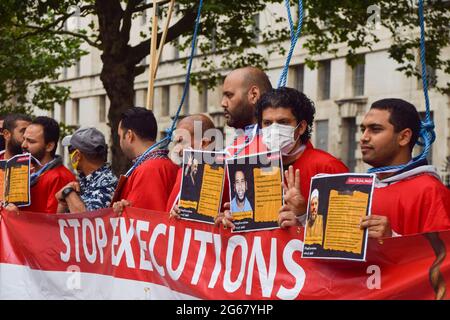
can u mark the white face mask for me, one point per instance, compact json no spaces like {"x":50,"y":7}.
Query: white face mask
{"x":280,"y":136}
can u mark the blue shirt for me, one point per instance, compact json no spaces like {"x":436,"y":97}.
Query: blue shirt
{"x":235,"y":208}
{"x":97,"y":189}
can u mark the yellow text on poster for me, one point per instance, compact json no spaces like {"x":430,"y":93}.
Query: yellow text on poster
{"x":2,"y":184}
{"x":211,"y":191}
{"x":18,"y":184}
{"x":268,"y":194}
{"x":345,"y":211}
{"x":188,"y":204}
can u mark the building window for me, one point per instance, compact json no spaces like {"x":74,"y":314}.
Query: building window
{"x":64,"y":73}
{"x":349,"y":142}
{"x":165,"y":101}
{"x":76,"y":111}
{"x":256,"y":30}
{"x":144,"y":17}
{"x":431,"y":78}
{"x":62,"y":113}
{"x":102,"y":108}
{"x":358,"y":79}
{"x":204,"y":97}
{"x":324,"y":79}
{"x":78,"y":68}
{"x":185,"y":108}
{"x":322,"y":134}
{"x":299,"y":77}
{"x":176,"y":51}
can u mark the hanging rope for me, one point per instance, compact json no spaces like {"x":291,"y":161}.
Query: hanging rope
{"x":188,"y":74}
{"x":294,"y":38}
{"x":427,"y":134}
{"x":163,"y":142}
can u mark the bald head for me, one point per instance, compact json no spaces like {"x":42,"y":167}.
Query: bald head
{"x":242,"y":89}
{"x":190,"y":133}
{"x":189,"y":122}
{"x":251,"y":76}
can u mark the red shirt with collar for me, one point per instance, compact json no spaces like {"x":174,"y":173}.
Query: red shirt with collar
{"x":43,"y":192}
{"x":150,"y":184}
{"x":414,"y":205}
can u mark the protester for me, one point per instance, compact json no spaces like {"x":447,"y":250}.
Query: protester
{"x":95,"y":187}
{"x":14,"y":126}
{"x":186,"y":137}
{"x":41,"y":140}
{"x":153,"y":174}
{"x":286,"y":117}
{"x":406,"y":201}
{"x":242,"y":88}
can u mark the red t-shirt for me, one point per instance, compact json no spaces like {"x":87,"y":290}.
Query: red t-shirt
{"x":314,"y":161}
{"x":150,"y":184}
{"x":414,"y":205}
{"x":2,"y":155}
{"x":43,"y":192}
{"x":175,"y":191}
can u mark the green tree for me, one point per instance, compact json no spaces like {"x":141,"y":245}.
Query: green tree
{"x":227,"y":29}
{"x":30,"y":62}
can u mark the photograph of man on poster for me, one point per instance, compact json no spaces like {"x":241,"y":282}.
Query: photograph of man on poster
{"x":314,"y":226}
{"x":192,"y":178}
{"x":240,"y":202}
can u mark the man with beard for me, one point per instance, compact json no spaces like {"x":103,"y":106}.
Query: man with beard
{"x":150,"y":180}
{"x":185,"y":137}
{"x":240,"y":202}
{"x":242,"y":88}
{"x":314,"y":226}
{"x":14,"y":127}
{"x":41,"y":140}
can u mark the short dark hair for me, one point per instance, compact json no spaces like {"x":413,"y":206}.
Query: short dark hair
{"x":51,"y":130}
{"x":402,"y":115}
{"x":301,"y":107}
{"x":141,"y":121}
{"x":10,"y":120}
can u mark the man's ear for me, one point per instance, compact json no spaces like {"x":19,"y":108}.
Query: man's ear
{"x":254,"y":94}
{"x":129,"y":135}
{"x":302,"y":128}
{"x":6,"y":134}
{"x":206,"y":141}
{"x":404,"y":137}
{"x":49,"y":147}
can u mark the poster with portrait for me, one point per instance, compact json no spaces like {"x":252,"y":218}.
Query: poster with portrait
{"x":337,"y":203}
{"x":256,"y":191}
{"x":202,"y":185}
{"x":15,"y":180}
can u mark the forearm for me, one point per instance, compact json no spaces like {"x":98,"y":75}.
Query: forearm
{"x":75,"y":203}
{"x":61,"y":208}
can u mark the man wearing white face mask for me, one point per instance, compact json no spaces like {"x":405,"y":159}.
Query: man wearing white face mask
{"x":286,"y":117}
{"x":186,"y":137}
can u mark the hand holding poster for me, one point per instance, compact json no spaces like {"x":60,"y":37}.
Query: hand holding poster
{"x":202,"y":185}
{"x":337,"y":203}
{"x":15,"y":180}
{"x":256,"y":190}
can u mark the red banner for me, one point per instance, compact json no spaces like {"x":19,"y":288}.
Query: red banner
{"x":144,"y":255}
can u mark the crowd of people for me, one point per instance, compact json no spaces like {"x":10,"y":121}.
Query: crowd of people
{"x":407,"y":201}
